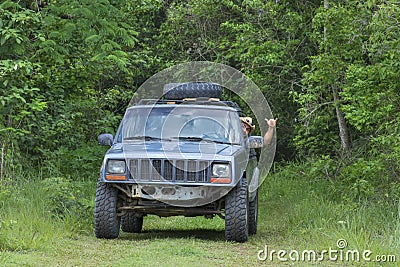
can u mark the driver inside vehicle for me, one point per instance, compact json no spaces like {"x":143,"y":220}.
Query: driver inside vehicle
{"x":210,"y":129}
{"x":248,"y":127}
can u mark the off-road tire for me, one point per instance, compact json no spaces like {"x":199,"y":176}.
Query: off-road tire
{"x":192,"y":90}
{"x":106,"y":220}
{"x":131,"y":223}
{"x":253,"y":215}
{"x":236,"y":213}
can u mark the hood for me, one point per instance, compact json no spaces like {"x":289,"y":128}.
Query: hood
{"x":199,"y":148}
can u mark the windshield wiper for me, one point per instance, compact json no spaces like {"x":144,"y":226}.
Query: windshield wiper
{"x":199,"y":139}
{"x":145,"y":137}
{"x":217,"y":141}
{"x":189,"y":138}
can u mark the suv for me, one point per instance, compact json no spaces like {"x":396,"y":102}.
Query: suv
{"x":183,"y":155}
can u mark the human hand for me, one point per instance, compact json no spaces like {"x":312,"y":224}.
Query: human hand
{"x":271,"y":122}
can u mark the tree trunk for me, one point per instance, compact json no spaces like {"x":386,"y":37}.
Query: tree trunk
{"x":326,"y":6}
{"x":343,"y":130}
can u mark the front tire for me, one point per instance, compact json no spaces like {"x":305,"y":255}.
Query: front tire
{"x":236,"y":213}
{"x":106,"y":220}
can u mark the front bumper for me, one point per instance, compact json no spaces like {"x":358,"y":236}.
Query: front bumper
{"x":176,"y":195}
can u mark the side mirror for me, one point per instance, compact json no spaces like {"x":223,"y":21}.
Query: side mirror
{"x":254,"y":142}
{"x":105,"y":139}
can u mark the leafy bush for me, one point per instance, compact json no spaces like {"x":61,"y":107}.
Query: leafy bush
{"x":5,"y":228}
{"x":4,"y":225}
{"x":80,"y":164}
{"x":356,"y":180}
{"x":67,"y":200}
{"x":4,"y":192}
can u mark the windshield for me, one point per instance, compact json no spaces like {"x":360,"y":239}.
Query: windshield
{"x":182,"y":123}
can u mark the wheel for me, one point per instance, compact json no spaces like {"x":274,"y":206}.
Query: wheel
{"x":192,"y":90}
{"x":130,"y":223}
{"x":106,"y":220}
{"x":253,"y":215}
{"x":236,"y":213}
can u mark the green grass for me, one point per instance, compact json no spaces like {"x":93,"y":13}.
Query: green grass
{"x":295,"y":214}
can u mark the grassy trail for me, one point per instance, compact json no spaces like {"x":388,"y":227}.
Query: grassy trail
{"x":294,"y":215}
{"x":174,"y":241}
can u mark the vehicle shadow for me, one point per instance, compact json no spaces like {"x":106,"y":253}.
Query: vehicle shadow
{"x":203,"y":234}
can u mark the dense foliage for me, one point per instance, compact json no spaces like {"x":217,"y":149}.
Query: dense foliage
{"x":330,"y":71}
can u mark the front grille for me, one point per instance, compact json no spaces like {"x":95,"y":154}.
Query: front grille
{"x":148,"y":170}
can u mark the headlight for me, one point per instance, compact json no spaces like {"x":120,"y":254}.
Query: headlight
{"x":116,"y":166}
{"x":221,"y":170}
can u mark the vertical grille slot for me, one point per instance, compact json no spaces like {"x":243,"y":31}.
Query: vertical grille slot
{"x":180,"y":173}
{"x":145,"y":170}
{"x":134,"y":168}
{"x":191,"y":171}
{"x":168,"y":170}
{"x":203,"y":171}
{"x":157,"y":171}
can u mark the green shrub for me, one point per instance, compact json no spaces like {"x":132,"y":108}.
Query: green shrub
{"x":352,"y":181}
{"x":6,"y":226}
{"x":4,"y":192}
{"x":80,"y":164}
{"x":68,"y":200}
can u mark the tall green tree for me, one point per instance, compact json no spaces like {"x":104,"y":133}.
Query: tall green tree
{"x":20,"y":98}
{"x":339,"y":32}
{"x":68,"y":68}
{"x":266,"y":40}
{"x":372,"y":90}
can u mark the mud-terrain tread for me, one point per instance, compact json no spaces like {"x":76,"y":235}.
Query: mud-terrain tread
{"x":192,"y":90}
{"x":130,"y":223}
{"x":106,"y":220}
{"x":253,"y":215}
{"x":236,"y":213}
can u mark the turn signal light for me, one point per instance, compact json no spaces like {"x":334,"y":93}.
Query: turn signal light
{"x":220,"y":180}
{"x":116,"y":177}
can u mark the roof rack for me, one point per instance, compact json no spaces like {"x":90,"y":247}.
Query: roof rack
{"x":197,"y":101}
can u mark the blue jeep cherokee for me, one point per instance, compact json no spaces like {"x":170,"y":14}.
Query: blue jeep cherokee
{"x":183,"y":155}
